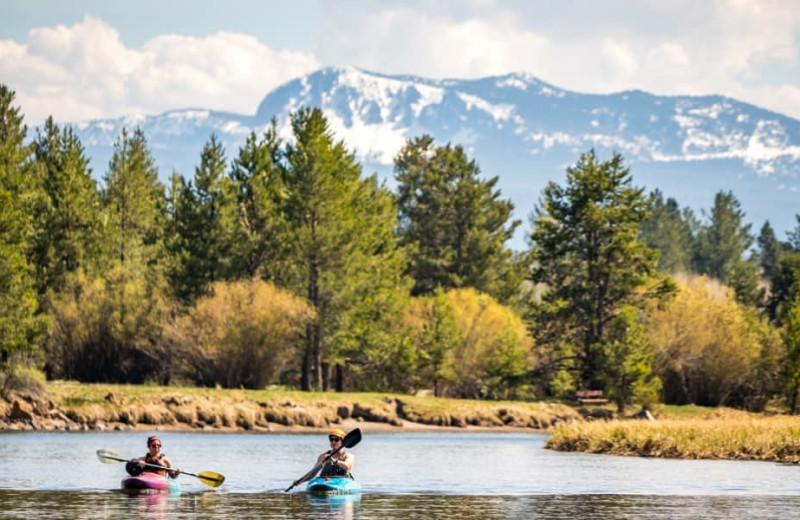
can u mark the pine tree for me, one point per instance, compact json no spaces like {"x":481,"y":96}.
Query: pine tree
{"x":721,"y":245}
{"x":20,"y":327}
{"x":770,"y":250}
{"x":453,"y":222}
{"x":794,"y":235}
{"x":134,"y":202}
{"x":68,"y":225}
{"x":199,"y":226}
{"x":669,"y":230}
{"x":588,"y":254}
{"x":257,"y":192}
{"x":723,"y":240}
{"x":341,"y":252}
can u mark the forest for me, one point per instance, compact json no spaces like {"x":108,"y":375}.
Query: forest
{"x":285,"y":264}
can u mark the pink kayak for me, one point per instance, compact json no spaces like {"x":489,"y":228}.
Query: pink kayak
{"x":151,"y":482}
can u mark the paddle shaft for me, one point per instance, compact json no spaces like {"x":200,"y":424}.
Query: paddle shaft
{"x":156,"y":466}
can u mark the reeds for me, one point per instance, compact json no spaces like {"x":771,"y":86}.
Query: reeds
{"x":775,"y":438}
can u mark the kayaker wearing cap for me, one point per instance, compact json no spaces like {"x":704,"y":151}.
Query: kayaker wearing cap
{"x":339,"y":464}
{"x":155,"y":456}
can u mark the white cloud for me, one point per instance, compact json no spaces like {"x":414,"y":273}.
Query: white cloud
{"x":741,"y":48}
{"x":85,"y":71}
{"x":747,"y":49}
{"x":621,"y":60}
{"x":409,"y":41}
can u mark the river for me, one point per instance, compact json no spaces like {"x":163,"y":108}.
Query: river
{"x":404,"y":475}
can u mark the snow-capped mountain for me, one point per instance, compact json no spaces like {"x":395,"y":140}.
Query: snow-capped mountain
{"x":517,"y":127}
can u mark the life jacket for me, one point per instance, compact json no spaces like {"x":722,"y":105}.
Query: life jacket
{"x":333,"y":470}
{"x":154,"y":460}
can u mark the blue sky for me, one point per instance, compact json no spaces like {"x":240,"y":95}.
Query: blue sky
{"x":83,"y":59}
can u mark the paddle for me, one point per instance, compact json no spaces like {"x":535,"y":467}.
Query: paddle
{"x":350,"y":440}
{"x":208,"y":478}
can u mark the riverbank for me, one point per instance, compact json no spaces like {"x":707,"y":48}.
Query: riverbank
{"x":70,"y":406}
{"x":720,"y":434}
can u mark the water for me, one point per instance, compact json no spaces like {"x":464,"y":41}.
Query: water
{"x":404,"y":475}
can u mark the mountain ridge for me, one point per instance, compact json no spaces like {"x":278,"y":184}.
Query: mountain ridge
{"x":516,"y":126}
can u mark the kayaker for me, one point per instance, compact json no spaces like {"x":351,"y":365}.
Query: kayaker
{"x":338,"y":464}
{"x":155,"y":456}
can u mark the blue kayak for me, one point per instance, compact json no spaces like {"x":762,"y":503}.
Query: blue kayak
{"x":333,"y":486}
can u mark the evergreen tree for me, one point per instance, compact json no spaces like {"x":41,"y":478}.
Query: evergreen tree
{"x":769,"y":250}
{"x":669,"y":230}
{"x":588,"y":254}
{"x":723,"y":240}
{"x":68,"y":226}
{"x":19,"y":325}
{"x":785,"y":287}
{"x":257,"y":192}
{"x":453,"y":222}
{"x":341,"y":252}
{"x":720,"y":248}
{"x":132,"y":285}
{"x":134,"y":202}
{"x":794,"y":236}
{"x":199,"y":226}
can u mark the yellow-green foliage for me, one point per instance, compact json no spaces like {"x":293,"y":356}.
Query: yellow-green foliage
{"x":708,"y":346}
{"x":749,"y":437}
{"x":494,"y":343}
{"x":244,"y":334}
{"x":106,"y":328}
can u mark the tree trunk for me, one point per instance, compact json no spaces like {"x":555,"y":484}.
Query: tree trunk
{"x":305,"y":375}
{"x":339,"y":382}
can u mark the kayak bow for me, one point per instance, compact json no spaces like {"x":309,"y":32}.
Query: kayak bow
{"x":333,"y":486}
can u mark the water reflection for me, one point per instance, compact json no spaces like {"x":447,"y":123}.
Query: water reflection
{"x":337,"y":507}
{"x":55,"y":505}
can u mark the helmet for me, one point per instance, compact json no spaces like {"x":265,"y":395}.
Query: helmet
{"x":337,"y":432}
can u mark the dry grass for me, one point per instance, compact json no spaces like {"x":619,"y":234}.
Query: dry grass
{"x":718,"y":435}
{"x":251,"y":410}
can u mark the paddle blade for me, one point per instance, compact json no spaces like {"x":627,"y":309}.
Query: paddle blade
{"x":210,"y":478}
{"x":108,"y":456}
{"x":352,"y":438}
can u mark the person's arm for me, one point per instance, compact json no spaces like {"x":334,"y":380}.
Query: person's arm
{"x":344,"y":460}
{"x":311,"y":474}
{"x":164,"y":461}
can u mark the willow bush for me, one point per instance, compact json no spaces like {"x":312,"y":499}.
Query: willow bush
{"x":710,"y":350}
{"x":490,"y":347}
{"x":243,"y":335}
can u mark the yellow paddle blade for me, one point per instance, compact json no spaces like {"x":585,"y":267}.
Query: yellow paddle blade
{"x":211,"y":478}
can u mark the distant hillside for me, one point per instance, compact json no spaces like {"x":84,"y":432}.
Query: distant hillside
{"x":517,"y":127}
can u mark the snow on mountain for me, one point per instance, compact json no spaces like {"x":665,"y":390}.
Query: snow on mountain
{"x":515,"y":126}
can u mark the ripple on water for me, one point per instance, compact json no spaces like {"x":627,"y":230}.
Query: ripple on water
{"x":53,"y":505}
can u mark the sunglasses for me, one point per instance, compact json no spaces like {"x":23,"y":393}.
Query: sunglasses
{"x":334,"y":438}
{"x":157,"y":444}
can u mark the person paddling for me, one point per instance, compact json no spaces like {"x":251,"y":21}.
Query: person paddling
{"x":336,"y":462}
{"x":154,"y":456}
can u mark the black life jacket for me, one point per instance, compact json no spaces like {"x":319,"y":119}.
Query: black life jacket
{"x":333,"y":470}
{"x":154,"y":460}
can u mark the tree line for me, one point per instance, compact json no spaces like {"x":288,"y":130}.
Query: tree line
{"x":287,"y":265}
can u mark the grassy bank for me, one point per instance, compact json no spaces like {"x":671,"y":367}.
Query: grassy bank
{"x":717,"y":434}
{"x":71,"y":406}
